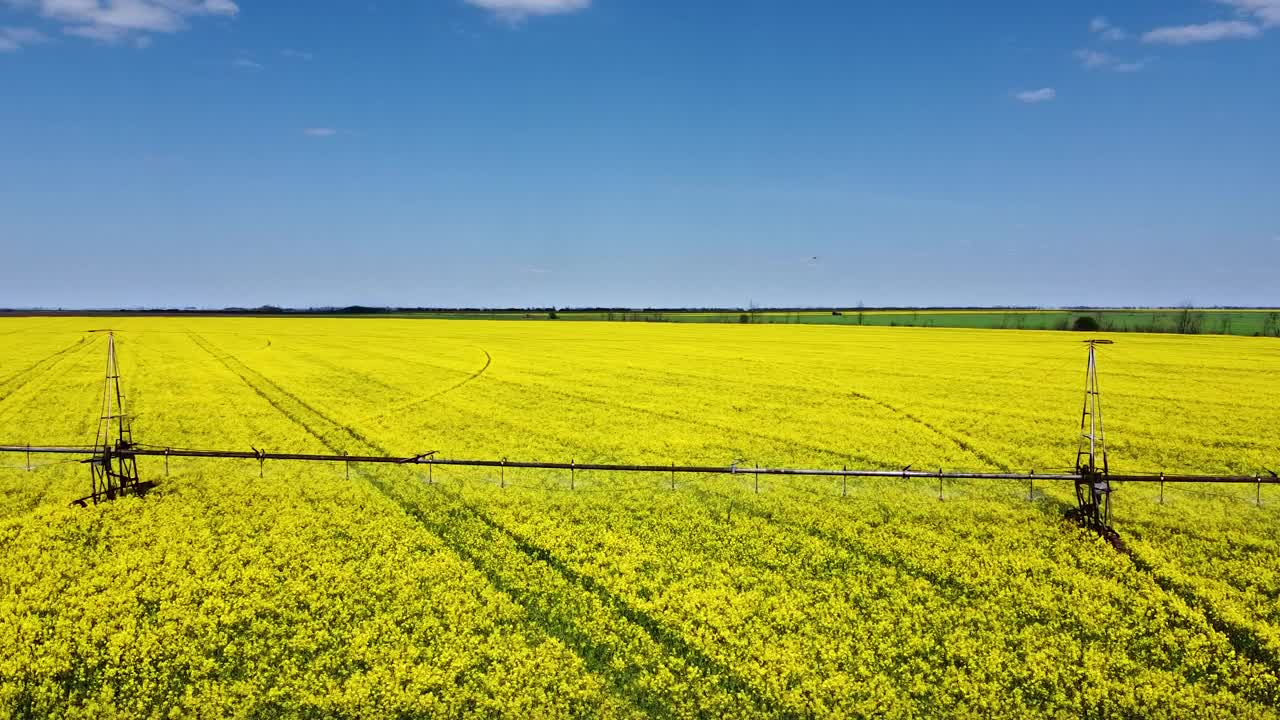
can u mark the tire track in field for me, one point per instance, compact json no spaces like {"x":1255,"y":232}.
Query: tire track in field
{"x":669,"y":639}
{"x":336,"y":346}
{"x":795,"y":371}
{"x":364,"y":378}
{"x":1243,"y":640}
{"x":31,"y":373}
{"x":258,"y":383}
{"x":950,"y":588}
{"x":726,"y":429}
{"x":619,"y":612}
{"x":411,"y":404}
{"x":959,"y":439}
{"x":557,"y":601}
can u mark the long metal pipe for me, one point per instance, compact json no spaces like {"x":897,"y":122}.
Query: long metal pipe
{"x":681,"y":469}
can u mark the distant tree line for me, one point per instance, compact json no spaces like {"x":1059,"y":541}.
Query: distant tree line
{"x":1186,"y":319}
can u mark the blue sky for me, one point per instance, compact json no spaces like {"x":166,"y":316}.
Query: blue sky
{"x":642,"y":153}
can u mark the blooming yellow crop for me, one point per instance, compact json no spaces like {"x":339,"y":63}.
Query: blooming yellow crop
{"x":451,"y":593}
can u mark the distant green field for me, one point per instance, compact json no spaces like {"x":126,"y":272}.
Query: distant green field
{"x":1200,"y":322}
{"x":1263,"y":322}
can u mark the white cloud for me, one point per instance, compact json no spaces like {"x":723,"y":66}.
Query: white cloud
{"x":517,"y":10}
{"x":1203,"y":33}
{"x":1032,"y":97}
{"x":116,"y":20}
{"x":1266,"y":12}
{"x":297,"y":55}
{"x":13,"y":39}
{"x":246,"y":64}
{"x":319,"y":132}
{"x":1103,"y":27}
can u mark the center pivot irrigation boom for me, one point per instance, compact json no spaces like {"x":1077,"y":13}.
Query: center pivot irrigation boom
{"x":113,"y":465}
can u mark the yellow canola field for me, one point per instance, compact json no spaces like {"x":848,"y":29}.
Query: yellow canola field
{"x":459,"y":593}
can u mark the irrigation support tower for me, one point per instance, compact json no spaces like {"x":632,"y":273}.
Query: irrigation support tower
{"x":1093,"y":489}
{"x":113,"y":468}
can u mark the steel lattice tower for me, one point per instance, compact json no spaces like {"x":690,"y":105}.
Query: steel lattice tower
{"x":114,"y":467}
{"x":1093,"y":489}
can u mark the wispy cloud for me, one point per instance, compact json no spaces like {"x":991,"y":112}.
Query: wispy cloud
{"x":13,"y":39}
{"x":1103,"y":28}
{"x":297,"y":55}
{"x":1266,"y":12}
{"x":1132,"y":67}
{"x":517,"y":10}
{"x":1253,"y":18}
{"x":246,"y":64}
{"x":120,"y":20}
{"x":1202,"y":33}
{"x":1094,"y":60}
{"x":100,"y":33}
{"x":1032,"y":97}
{"x":319,"y":132}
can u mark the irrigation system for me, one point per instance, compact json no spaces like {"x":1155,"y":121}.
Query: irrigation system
{"x":113,"y":466}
